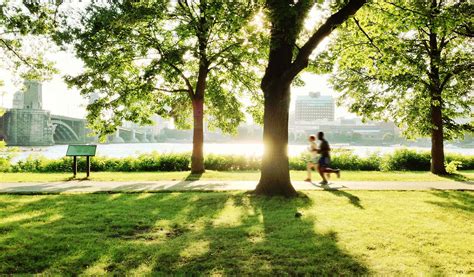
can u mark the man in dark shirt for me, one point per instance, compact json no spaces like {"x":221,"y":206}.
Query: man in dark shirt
{"x":325,"y":159}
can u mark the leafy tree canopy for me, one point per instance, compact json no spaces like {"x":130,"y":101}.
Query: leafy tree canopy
{"x":23,"y":25}
{"x":396,"y":60}
{"x":148,"y":57}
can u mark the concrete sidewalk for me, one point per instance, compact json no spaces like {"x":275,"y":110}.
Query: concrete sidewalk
{"x":94,"y":186}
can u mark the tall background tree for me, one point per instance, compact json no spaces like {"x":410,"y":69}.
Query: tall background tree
{"x":183,"y":59}
{"x":410,"y":62}
{"x":289,"y":54}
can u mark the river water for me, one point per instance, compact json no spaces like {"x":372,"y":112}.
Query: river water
{"x":247,"y":149}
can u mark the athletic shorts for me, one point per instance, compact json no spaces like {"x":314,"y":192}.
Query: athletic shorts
{"x":324,"y":161}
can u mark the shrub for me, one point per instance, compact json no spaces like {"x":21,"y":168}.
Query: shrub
{"x":5,"y":164}
{"x":217,"y":162}
{"x":6,"y":154}
{"x":342,"y":159}
{"x":299,"y":162}
{"x":174,"y":162}
{"x":452,"y":167}
{"x":466,"y":161}
{"x":402,"y":159}
{"x":231,"y":162}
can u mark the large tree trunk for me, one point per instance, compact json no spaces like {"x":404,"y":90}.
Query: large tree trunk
{"x":287,"y":20}
{"x":275,"y":176}
{"x":197,"y":158}
{"x":437,"y":147}
{"x":436,"y":105}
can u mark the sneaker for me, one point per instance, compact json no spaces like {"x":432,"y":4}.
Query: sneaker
{"x":338,"y":173}
{"x":323,"y":182}
{"x":307,"y":180}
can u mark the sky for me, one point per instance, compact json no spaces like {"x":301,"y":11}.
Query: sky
{"x":61,"y":100}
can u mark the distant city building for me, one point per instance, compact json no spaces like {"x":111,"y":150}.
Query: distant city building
{"x":314,"y":108}
{"x":314,"y":113}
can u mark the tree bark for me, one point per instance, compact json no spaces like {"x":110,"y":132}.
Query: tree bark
{"x":437,"y":144}
{"x":275,"y":175}
{"x":197,"y":158}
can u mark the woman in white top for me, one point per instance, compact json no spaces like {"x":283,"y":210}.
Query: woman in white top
{"x":312,"y":163}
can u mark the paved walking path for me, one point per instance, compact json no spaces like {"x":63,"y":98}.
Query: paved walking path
{"x":94,"y":186}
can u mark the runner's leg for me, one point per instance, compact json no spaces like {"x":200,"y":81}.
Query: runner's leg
{"x":309,"y":166}
{"x":321,"y":171}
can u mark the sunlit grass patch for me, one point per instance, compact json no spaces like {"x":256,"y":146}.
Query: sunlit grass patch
{"x":355,"y":233}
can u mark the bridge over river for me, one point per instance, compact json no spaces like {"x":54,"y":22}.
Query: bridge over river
{"x":27,"y":124}
{"x":26,"y":127}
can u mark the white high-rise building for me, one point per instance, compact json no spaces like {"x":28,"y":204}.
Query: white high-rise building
{"x":314,"y":108}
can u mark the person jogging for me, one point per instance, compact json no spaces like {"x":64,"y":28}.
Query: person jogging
{"x":313,"y":162}
{"x":325,"y":159}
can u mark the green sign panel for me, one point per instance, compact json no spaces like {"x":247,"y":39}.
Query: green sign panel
{"x":81,"y":150}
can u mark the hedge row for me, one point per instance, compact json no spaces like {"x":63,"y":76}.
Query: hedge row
{"x":402,"y":159}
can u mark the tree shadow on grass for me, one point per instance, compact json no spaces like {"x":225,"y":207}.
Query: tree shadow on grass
{"x":76,"y":232}
{"x":268,"y":239}
{"x":458,"y":177}
{"x":221,"y":233}
{"x":457,"y":200}
{"x":354,"y":200}
{"x":315,"y":253}
{"x":193,"y":177}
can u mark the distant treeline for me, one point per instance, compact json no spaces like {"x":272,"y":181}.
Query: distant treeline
{"x":402,"y":159}
{"x":249,"y":134}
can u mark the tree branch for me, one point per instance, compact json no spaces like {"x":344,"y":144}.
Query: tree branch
{"x":455,"y":71}
{"x":406,"y":9}
{"x":180,"y":73}
{"x":172,"y":90}
{"x":444,"y":41}
{"x":239,"y":77}
{"x":301,"y":60}
{"x":415,"y":63}
{"x":16,"y":53}
{"x":189,"y":12}
{"x":186,"y":80}
{"x":218,"y":54}
{"x":366,"y":35}
{"x":468,"y":32}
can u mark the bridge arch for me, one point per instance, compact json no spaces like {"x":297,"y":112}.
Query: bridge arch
{"x":63,"y":132}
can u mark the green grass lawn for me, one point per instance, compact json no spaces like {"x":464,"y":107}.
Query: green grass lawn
{"x":229,"y":175}
{"x":340,"y":233}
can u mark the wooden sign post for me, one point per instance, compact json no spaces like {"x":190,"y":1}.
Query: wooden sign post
{"x":87,"y":151}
